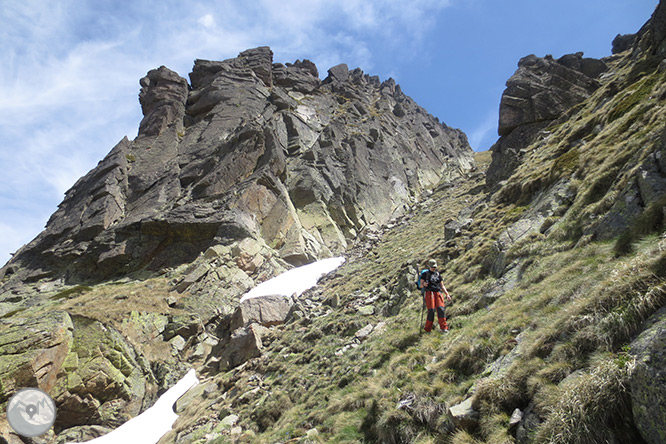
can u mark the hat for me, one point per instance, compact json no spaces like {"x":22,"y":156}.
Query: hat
{"x":432,"y":263}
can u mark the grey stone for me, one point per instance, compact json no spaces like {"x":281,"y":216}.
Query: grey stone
{"x":82,"y":434}
{"x":463,"y":415}
{"x":244,"y":344}
{"x":194,"y":394}
{"x":338,"y":73}
{"x":623,"y":42}
{"x":163,"y":95}
{"x":196,"y":275}
{"x":364,"y":332}
{"x":177,"y":344}
{"x":229,"y":421}
{"x":366,"y":310}
{"x":265,"y":310}
{"x":516,"y":417}
{"x":539,"y":92}
{"x":648,"y":382}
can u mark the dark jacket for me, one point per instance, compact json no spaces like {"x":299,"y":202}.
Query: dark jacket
{"x":433,"y":280}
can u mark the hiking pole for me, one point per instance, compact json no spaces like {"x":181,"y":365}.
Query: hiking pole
{"x":422,"y":310}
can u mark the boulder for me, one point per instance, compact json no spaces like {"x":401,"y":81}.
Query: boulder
{"x":514,"y":421}
{"x":463,"y":415}
{"x":338,"y":73}
{"x":244,"y":344}
{"x":194,"y":276}
{"x":648,"y":383}
{"x":364,"y":332}
{"x":265,"y":310}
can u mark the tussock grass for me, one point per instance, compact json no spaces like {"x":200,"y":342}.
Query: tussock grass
{"x":590,"y":408}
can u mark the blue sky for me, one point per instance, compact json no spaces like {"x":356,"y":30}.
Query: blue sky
{"x":70,"y":68}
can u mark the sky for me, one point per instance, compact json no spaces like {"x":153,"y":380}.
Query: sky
{"x":70,"y":69}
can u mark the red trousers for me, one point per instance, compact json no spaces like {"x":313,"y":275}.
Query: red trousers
{"x":435,"y":301}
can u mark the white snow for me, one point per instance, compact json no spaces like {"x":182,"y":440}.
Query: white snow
{"x":151,"y":425}
{"x":296,"y":280}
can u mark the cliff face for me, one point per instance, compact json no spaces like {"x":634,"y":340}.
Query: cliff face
{"x":540,"y":92}
{"x":250,"y":149}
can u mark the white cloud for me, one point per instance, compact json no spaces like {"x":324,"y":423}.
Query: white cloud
{"x":484,"y":135}
{"x":207,"y":21}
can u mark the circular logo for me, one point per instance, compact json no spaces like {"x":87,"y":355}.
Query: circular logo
{"x":31,"y":412}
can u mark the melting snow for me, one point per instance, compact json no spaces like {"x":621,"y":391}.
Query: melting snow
{"x":151,"y":425}
{"x":296,"y":280}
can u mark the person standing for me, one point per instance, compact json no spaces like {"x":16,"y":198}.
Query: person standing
{"x":431,"y":280}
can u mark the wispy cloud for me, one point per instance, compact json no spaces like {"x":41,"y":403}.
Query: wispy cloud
{"x":483,"y":136}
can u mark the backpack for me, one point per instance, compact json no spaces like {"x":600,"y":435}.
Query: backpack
{"x":418,"y":278}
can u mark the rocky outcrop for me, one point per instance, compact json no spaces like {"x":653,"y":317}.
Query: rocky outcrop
{"x":92,"y":372}
{"x":162,"y":97}
{"x":250,"y":149}
{"x":33,"y":351}
{"x":539,"y":92}
{"x":651,"y":39}
{"x":623,"y":42}
{"x":648,"y":387}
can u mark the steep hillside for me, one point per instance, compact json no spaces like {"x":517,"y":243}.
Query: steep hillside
{"x":553,"y":248}
{"x":557,"y":272}
{"x":251,"y":168}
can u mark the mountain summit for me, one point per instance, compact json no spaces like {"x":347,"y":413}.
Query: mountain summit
{"x":247,"y":149}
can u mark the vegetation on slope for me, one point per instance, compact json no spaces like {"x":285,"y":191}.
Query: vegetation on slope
{"x":548,"y":333}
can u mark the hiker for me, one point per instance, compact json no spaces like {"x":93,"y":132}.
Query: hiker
{"x":431,"y":281}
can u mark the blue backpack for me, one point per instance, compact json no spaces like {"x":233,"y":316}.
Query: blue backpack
{"x":418,"y":278}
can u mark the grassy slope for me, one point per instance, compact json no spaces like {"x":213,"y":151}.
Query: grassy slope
{"x":576,"y":305}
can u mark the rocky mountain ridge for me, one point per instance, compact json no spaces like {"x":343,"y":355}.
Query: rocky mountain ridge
{"x":250,"y":149}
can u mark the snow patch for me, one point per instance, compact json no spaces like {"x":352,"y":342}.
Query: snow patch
{"x":297,"y":280}
{"x":151,"y":425}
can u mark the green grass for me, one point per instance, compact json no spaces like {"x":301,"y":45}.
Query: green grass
{"x":71,"y":292}
{"x":637,"y":94}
